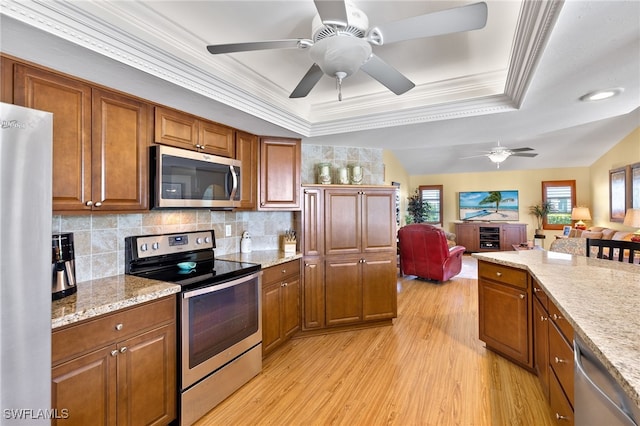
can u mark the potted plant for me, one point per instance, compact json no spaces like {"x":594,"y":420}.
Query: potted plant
{"x":417,"y":209}
{"x":540,"y":211}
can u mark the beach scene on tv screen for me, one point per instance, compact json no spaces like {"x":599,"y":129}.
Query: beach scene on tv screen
{"x":489,"y":205}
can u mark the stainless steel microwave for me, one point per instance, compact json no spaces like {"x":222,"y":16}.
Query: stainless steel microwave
{"x":189,"y":179}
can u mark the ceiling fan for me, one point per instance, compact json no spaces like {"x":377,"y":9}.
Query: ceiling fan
{"x":342,"y":42}
{"x":499,"y":153}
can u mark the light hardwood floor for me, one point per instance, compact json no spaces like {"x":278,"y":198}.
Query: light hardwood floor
{"x":429,"y":368}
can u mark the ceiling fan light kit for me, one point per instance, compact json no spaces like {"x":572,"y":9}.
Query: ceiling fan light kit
{"x":342,"y":42}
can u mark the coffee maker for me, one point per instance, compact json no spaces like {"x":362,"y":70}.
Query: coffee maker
{"x":63,"y":266}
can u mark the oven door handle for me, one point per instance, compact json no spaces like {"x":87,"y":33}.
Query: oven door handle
{"x":217,"y":287}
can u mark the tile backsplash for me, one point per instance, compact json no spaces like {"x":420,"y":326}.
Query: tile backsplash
{"x":99,"y":239}
{"x":369,"y":158}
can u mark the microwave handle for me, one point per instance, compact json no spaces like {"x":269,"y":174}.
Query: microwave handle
{"x":234,"y":176}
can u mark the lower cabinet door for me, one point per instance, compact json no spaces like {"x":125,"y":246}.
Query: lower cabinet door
{"x":343,"y":290}
{"x":379,"y":293}
{"x":271,"y":325}
{"x":504,"y":320}
{"x":313,"y":299}
{"x":83,"y":390}
{"x":147,"y":378}
{"x":291,"y":306}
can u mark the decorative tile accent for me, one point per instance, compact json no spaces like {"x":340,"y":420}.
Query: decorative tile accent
{"x":369,"y":158}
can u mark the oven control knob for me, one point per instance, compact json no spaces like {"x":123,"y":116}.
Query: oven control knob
{"x":144,"y":247}
{"x":155,"y":246}
{"x":207,"y":240}
{"x":198,"y":240}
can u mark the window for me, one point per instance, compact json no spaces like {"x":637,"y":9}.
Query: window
{"x":432,"y":194}
{"x":562,"y":196}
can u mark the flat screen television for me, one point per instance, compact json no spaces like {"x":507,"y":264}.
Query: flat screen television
{"x":488,"y":206}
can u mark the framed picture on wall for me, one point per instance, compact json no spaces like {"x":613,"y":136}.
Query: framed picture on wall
{"x":635,"y":185}
{"x":617,"y":194}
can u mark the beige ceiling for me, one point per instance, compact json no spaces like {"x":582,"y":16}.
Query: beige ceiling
{"x":516,"y":81}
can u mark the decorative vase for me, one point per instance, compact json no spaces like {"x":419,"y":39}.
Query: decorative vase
{"x":324,"y":173}
{"x":356,"y":174}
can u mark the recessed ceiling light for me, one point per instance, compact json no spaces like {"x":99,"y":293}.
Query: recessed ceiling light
{"x":598,"y":95}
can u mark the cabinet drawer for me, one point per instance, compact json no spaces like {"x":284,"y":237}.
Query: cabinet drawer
{"x":503,"y":274}
{"x":560,"y":408}
{"x":104,"y":330}
{"x":561,"y":360}
{"x":278,"y":272}
{"x":558,"y":318}
{"x":540,"y":295}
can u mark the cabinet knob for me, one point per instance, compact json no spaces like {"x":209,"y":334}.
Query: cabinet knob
{"x":98,"y":204}
{"x":559,"y":360}
{"x":119,"y":326}
{"x":114,"y":352}
{"x":561,"y":417}
{"x":521,"y":296}
{"x":499,"y":274}
{"x":284,"y":285}
{"x":556,"y":317}
{"x":543,"y":318}
{"x":88,"y":203}
{"x":536,"y":289}
{"x":123,"y":349}
{"x":306,"y":265}
{"x":284,"y":271}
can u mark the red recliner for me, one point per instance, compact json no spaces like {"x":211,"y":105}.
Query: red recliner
{"x":424,"y":252}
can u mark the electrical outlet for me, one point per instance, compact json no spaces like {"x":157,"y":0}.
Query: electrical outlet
{"x":227,"y":230}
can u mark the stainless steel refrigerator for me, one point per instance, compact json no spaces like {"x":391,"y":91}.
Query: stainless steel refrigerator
{"x":26,"y":138}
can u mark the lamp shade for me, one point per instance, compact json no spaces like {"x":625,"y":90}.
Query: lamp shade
{"x":580,"y":213}
{"x":632,"y":218}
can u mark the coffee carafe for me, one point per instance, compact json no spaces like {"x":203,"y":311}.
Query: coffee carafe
{"x":63,"y":267}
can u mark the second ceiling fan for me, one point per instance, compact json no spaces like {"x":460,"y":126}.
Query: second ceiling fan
{"x":342,"y":42}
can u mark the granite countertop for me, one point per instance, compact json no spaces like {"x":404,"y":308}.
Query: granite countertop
{"x":599,"y":298}
{"x":266,"y":258}
{"x":106,"y":295}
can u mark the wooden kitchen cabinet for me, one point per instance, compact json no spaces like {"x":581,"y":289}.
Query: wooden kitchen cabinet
{"x":100,"y":139}
{"x":561,"y":361}
{"x":540,"y":322}
{"x":280,"y":168}
{"x":247,"y":147}
{"x":490,"y":236}
{"x":347,"y":236}
{"x":280,"y":304}
{"x":182,"y":130}
{"x":504,"y":297}
{"x":119,"y":368}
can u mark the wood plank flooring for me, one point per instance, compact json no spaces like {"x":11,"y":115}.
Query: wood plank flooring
{"x":429,"y":368}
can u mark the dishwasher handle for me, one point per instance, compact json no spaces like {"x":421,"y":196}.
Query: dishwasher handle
{"x":592,"y":404}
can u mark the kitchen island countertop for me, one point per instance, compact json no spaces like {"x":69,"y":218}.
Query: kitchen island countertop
{"x":106,"y":295}
{"x":600,"y":299}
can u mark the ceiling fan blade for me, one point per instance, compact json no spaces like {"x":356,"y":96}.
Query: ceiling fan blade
{"x":528,"y":154}
{"x":390,"y":77}
{"x":332,"y":11}
{"x":520,"y":149}
{"x":308,"y":82}
{"x":464,"y":18}
{"x":258,"y":45}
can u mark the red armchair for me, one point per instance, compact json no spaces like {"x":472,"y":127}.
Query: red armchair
{"x":424,"y":252}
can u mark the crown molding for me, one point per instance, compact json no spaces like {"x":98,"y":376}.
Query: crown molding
{"x":228,"y":82}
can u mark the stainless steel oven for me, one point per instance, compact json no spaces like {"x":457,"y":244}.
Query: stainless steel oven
{"x":220,"y":320}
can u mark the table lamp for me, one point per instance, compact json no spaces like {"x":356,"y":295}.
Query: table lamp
{"x":632,"y":218}
{"x":580,"y":214}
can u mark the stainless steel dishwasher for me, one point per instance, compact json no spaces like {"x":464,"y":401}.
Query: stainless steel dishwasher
{"x":598,"y":398}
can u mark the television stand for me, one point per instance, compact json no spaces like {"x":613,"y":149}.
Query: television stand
{"x":490,"y":236}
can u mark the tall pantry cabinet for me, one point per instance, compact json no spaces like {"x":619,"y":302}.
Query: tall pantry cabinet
{"x":348,"y":238}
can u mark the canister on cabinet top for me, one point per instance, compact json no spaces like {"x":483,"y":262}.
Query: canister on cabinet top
{"x":245,"y":243}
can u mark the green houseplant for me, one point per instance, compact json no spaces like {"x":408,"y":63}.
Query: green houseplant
{"x":417,"y":209}
{"x":540,"y":211}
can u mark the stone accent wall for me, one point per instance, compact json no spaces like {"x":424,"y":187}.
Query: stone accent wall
{"x":369,"y":158}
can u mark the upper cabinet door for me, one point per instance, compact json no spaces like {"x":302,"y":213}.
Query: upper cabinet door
{"x":186,"y":131}
{"x":378,"y":220}
{"x":119,"y":150}
{"x":280,"y":160}
{"x":342,"y":221}
{"x":216,"y":139}
{"x":175,"y":128}
{"x":70,"y":102}
{"x":247,"y":147}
